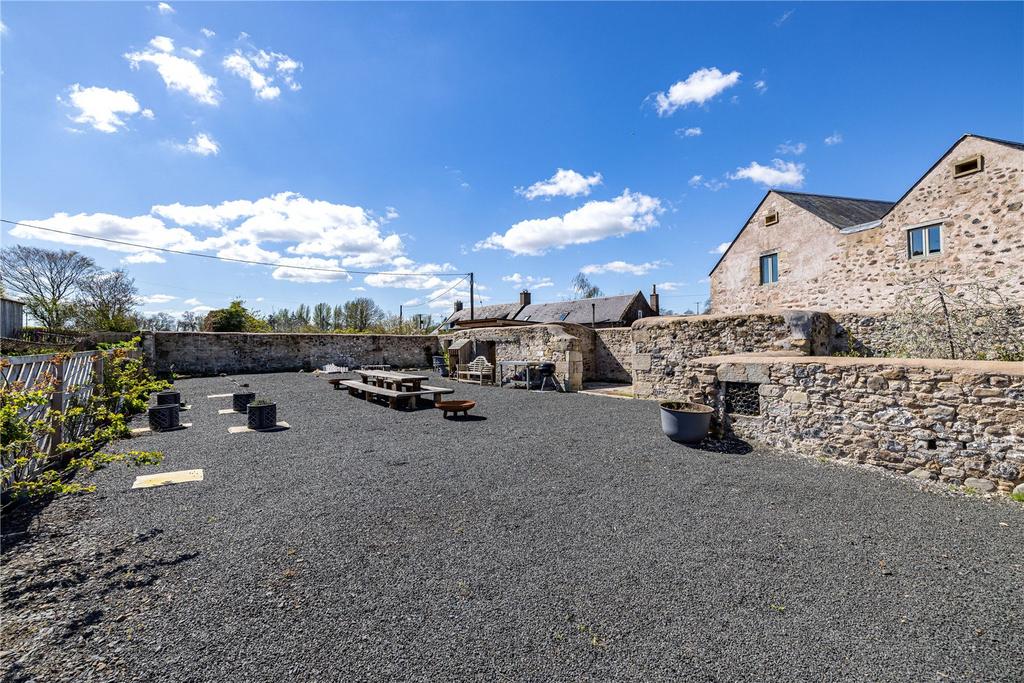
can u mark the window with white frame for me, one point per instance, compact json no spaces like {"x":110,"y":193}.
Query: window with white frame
{"x":769,"y":268}
{"x":924,"y":241}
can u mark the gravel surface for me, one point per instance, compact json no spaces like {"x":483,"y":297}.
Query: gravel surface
{"x":552,"y":537}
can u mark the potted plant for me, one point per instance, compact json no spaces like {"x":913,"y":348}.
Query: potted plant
{"x":262,"y":414}
{"x":168,"y":397}
{"x":241,"y":399}
{"x":685,"y":422}
{"x":163,"y":417}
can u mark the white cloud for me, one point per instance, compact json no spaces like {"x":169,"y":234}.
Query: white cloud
{"x":622,"y":267}
{"x":528,"y":281}
{"x":721,"y":248}
{"x":390,"y":213}
{"x":760,"y":86}
{"x":670,"y":286}
{"x":194,"y":52}
{"x":783,"y":18}
{"x":139,"y":229}
{"x":3,"y":29}
{"x":262,"y":69}
{"x":594,"y":221}
{"x":164,"y":8}
{"x":713,"y":184}
{"x":312,"y":233}
{"x":207,"y":32}
{"x":689,"y":132}
{"x":201,"y":309}
{"x":564,"y":183}
{"x":102,"y":108}
{"x":357,"y":289}
{"x":144,"y":257}
{"x":202,"y":144}
{"x":162,"y":43}
{"x":834,"y":139}
{"x":699,"y":87}
{"x":788,"y":147}
{"x":158,"y":299}
{"x":411,"y":277}
{"x":178,"y":73}
{"x":780,"y":173}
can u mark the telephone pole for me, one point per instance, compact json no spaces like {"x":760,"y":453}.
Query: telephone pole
{"x":472,"y":308}
{"x":399,"y":318}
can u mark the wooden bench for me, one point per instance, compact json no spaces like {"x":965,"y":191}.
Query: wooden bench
{"x":393,"y":397}
{"x":476,"y":372}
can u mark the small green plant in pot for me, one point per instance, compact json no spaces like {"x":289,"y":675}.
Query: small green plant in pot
{"x":262,"y":414}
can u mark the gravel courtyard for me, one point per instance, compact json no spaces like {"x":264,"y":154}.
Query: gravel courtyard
{"x":554,"y":537}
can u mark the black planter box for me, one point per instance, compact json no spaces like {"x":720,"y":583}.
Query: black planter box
{"x":162,"y":418}
{"x":169,"y":397}
{"x":262,"y":417}
{"x":241,"y":400}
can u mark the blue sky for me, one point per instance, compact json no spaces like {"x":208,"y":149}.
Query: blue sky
{"x":428,"y":138}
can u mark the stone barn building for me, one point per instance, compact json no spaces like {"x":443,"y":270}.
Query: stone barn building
{"x":961,"y":224}
{"x":600,"y":312}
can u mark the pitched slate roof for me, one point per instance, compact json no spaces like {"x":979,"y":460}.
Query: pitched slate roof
{"x":841,"y":212}
{"x":500,"y":311}
{"x":606,"y":309}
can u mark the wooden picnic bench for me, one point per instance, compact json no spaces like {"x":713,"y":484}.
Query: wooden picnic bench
{"x":394,"y":398}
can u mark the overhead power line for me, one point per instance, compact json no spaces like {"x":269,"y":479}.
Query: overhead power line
{"x":430,"y":301}
{"x":181,"y":252}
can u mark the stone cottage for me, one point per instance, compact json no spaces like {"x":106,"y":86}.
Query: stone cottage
{"x":961,"y":224}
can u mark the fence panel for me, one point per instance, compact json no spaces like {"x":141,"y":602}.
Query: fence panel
{"x":77,"y":376}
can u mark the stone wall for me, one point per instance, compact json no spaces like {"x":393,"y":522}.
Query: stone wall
{"x":570,"y":347}
{"x":665,"y":346}
{"x":960,"y":422}
{"x":823,"y":268}
{"x":210,"y":353}
{"x":613,"y":355}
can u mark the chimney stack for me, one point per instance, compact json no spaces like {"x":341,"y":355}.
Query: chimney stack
{"x":458,"y":306}
{"x":524,"y":298}
{"x":654,"y":300}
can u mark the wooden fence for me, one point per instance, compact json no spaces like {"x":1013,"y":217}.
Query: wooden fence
{"x":75,"y":377}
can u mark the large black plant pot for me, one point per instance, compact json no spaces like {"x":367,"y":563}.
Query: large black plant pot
{"x":162,"y":418}
{"x":685,"y":422}
{"x":241,"y":400}
{"x":262,"y":416}
{"x":169,"y":397}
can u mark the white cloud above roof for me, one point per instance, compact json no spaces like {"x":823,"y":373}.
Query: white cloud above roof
{"x":622,"y":267}
{"x":699,"y":87}
{"x":834,"y":139}
{"x":780,"y":173}
{"x":564,"y":183}
{"x":164,"y":8}
{"x":103,"y":109}
{"x":794,"y":148}
{"x":528,"y":281}
{"x":721,"y":248}
{"x":596,"y":220}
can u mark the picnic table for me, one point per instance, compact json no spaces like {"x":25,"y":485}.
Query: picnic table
{"x":398,"y":381}
{"x":397,"y":387}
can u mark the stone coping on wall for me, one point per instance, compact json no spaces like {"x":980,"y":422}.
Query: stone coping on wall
{"x":991,"y":367}
{"x":657,"y":321}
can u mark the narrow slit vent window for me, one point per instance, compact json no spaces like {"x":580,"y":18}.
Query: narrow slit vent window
{"x":772,"y":218}
{"x":769,"y":269}
{"x":924,"y":242}
{"x":968,"y":166}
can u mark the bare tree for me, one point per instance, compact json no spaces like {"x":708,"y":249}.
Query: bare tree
{"x":106,"y":301}
{"x":583,"y":288}
{"x":46,"y":279}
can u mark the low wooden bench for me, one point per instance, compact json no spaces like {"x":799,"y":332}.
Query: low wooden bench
{"x":394,"y":397}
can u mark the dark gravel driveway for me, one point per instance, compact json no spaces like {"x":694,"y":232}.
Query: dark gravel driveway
{"x":558,"y":537}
